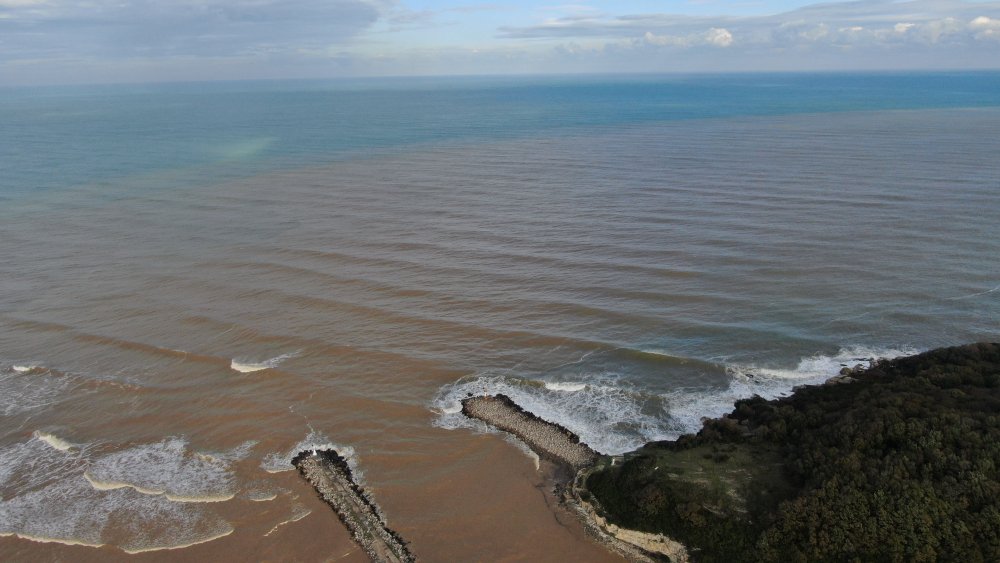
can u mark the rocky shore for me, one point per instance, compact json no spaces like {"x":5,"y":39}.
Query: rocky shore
{"x":896,"y":462}
{"x":803,"y":477}
{"x":557,"y":444}
{"x":330,"y":475}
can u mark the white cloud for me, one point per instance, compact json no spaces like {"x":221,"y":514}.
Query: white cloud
{"x":719,"y":36}
{"x":986,"y":28}
{"x":855,"y":23}
{"x":278,"y":38}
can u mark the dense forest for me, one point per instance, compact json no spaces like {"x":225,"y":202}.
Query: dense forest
{"x":902,"y":463}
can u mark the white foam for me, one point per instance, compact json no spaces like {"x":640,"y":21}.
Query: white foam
{"x":613,"y":416}
{"x":23,"y":390}
{"x":819,"y":367}
{"x":606,"y":412}
{"x":24,"y":368}
{"x":567,"y":386}
{"x":656,"y":352}
{"x":282,"y":461}
{"x":53,"y":441}
{"x":687,"y":407}
{"x":250,"y":366}
{"x":167,"y":468}
{"x":48,"y":499}
{"x":204,"y":538}
{"x":64,"y":541}
{"x":298,"y":513}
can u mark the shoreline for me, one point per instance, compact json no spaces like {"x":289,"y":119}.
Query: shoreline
{"x":574,"y":461}
{"x":733,"y":488}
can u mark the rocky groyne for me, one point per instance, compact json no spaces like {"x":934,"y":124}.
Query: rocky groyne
{"x":557,"y":444}
{"x":330,"y":475}
{"x":548,"y":440}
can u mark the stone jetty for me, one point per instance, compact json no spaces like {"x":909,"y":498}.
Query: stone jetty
{"x":330,"y":475}
{"x":546,"y":439}
{"x":559,"y":445}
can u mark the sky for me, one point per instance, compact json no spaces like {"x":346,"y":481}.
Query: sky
{"x":95,"y":41}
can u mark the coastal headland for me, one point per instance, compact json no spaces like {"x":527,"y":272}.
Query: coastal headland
{"x":897,"y":462}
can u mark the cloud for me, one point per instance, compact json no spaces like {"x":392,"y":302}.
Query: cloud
{"x":126,"y":28}
{"x":719,"y":36}
{"x":716,"y":36}
{"x":844,"y":24}
{"x":986,"y":28}
{"x":137,"y":40}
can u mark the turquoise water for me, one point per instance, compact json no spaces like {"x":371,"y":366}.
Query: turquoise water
{"x":65,"y":137}
{"x":198,"y":280}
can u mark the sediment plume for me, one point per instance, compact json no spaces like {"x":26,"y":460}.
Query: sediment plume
{"x":547,"y":439}
{"x":330,"y":475}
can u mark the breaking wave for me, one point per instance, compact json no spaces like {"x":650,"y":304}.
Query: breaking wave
{"x":614,"y":415}
{"x":48,"y":499}
{"x":53,"y":440}
{"x":170,"y":469}
{"x":608,"y":413}
{"x":282,"y":461}
{"x":567,"y":386}
{"x":244,"y":365}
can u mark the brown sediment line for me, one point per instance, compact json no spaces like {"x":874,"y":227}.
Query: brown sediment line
{"x":548,"y":440}
{"x":557,"y":444}
{"x":330,"y":475}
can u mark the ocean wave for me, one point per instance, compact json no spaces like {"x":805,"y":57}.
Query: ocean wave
{"x":26,"y":388}
{"x":568,"y":386}
{"x":608,"y":413}
{"x":688,"y":406}
{"x":53,"y":441}
{"x":168,"y":468}
{"x":614,"y":416}
{"x":48,"y":500}
{"x":244,"y":365}
{"x":279,"y":462}
{"x":299,"y":512}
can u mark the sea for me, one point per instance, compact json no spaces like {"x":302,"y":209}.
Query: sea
{"x":199,"y":280}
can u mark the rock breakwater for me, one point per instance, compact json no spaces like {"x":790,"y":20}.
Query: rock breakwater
{"x":330,"y":475}
{"x":559,"y":445}
{"x":548,"y":440}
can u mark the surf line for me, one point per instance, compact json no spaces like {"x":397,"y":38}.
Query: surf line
{"x":574,"y":461}
{"x":328,"y":473}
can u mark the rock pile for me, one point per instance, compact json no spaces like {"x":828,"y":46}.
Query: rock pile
{"x":330,"y":475}
{"x":547,"y":439}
